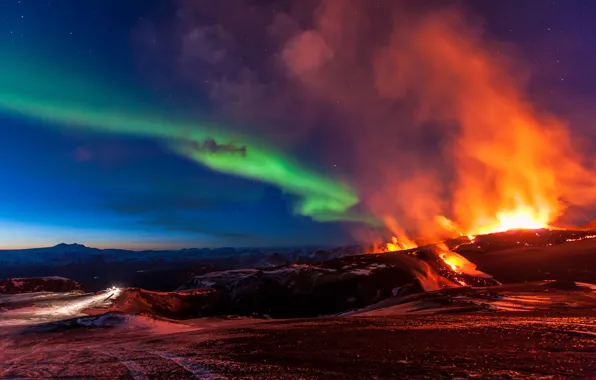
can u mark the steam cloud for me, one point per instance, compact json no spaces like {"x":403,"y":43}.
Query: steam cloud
{"x":426,"y":114}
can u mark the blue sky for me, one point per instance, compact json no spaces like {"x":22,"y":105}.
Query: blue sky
{"x":113,"y":191}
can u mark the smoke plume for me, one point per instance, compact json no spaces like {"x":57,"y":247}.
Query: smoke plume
{"x":415,"y":104}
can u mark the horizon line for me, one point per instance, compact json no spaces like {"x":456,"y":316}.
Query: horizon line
{"x":139,"y":249}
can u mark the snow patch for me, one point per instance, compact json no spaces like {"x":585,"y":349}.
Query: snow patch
{"x":362,"y":272}
{"x":50,"y":307}
{"x":104,"y":320}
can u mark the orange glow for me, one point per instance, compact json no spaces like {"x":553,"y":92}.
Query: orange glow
{"x":453,"y":262}
{"x":512,"y":162}
{"x":396,"y":245}
{"x":522,"y":218}
{"x":440,"y":122}
{"x":459,"y":264}
{"x":509,"y":159}
{"x":400,"y":240}
{"x":449,"y":262}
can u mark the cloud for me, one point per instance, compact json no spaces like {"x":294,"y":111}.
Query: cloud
{"x":412,"y":108}
{"x":309,"y":80}
{"x":306,"y":53}
{"x":207,"y":44}
{"x":209,"y":145}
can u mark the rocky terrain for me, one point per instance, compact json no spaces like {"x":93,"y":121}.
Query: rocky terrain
{"x":164,"y":270}
{"x":68,"y":254}
{"x":331,"y":286}
{"x":38,"y":284}
{"x":535,"y":255}
{"x":423,"y":313}
{"x":444,"y":346}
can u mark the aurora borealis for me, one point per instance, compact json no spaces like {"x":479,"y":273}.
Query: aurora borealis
{"x":64,"y":106}
{"x":65,"y":102}
{"x":48,"y":91}
{"x":49,"y":86}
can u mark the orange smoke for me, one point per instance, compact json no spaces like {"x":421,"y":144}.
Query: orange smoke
{"x":512,"y":165}
{"x":399,"y":240}
{"x":443,"y":136}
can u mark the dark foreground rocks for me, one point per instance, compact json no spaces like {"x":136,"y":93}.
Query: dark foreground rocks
{"x":38,"y":284}
{"x":349,"y":283}
{"x":325,"y":288}
{"x":538,"y":238}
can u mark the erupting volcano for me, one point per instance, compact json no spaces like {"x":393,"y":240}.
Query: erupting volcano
{"x":292,"y":189}
{"x":513,"y":165}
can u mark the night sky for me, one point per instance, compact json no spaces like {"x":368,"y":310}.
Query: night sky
{"x":169,"y":124}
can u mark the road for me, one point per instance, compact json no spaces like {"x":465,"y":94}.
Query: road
{"x":28,"y":308}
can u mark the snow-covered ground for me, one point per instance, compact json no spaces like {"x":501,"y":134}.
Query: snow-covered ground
{"x":35,"y":308}
{"x":542,"y":296}
{"x":446,"y":346}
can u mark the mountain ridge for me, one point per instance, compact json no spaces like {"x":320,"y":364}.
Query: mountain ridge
{"x":75,"y":253}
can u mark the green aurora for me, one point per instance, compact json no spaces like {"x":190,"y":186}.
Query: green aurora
{"x":65,"y":100}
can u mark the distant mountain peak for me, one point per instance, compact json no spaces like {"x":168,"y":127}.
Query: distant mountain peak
{"x":73,"y":245}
